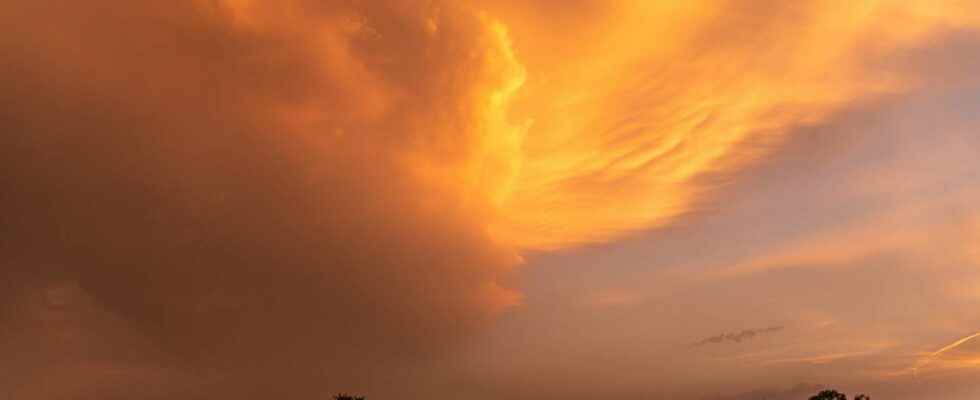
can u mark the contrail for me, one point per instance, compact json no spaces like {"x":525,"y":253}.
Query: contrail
{"x":925,"y":360}
{"x":955,"y":344}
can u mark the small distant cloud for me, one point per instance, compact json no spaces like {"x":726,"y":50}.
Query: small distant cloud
{"x":737,"y":337}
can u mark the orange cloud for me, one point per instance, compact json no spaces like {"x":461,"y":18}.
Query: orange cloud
{"x":246,"y":185}
{"x":624,"y":131}
{"x":267,"y":191}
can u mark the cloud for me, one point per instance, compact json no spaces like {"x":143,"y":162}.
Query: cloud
{"x":252,"y":199}
{"x":862,"y":225}
{"x":269,"y":198}
{"x":655,"y":126}
{"x":822,"y":358}
{"x":737,"y":337}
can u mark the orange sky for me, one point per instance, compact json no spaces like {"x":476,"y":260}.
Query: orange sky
{"x":488,"y":199}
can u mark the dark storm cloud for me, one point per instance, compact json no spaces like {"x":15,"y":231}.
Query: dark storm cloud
{"x":235,"y":194}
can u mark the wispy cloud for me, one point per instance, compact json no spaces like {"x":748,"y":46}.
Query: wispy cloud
{"x":820,"y":358}
{"x":737,"y":337}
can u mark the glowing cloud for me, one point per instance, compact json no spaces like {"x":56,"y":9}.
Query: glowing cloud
{"x":221,"y":184}
{"x":628,"y":128}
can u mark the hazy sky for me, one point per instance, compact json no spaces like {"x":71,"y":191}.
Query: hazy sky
{"x":489,"y":199}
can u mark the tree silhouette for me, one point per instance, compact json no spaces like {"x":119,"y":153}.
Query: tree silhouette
{"x":835,"y":395}
{"x":345,"y":396}
{"x":829,"y":395}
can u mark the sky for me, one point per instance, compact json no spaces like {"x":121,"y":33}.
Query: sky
{"x":489,"y":199}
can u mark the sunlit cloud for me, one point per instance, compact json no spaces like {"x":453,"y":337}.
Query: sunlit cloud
{"x":217,"y":192}
{"x":642,"y":124}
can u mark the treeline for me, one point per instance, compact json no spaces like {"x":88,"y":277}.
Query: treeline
{"x":835,"y":395}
